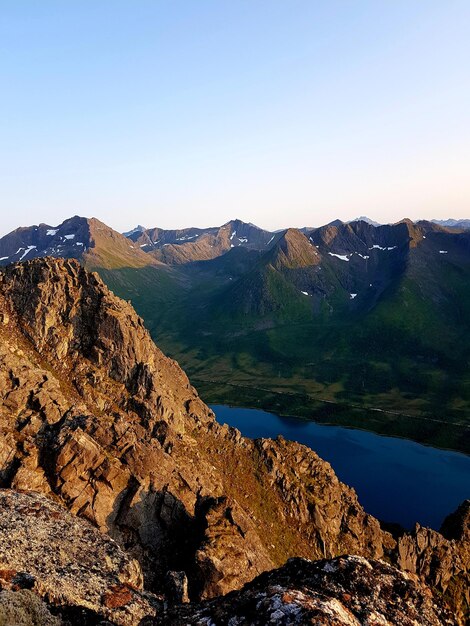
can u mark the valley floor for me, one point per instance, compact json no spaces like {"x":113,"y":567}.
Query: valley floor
{"x":421,"y":428}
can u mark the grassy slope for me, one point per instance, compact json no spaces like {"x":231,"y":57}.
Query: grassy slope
{"x":404,"y":356}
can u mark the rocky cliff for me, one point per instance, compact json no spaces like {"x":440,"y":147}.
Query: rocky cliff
{"x":93,"y":415}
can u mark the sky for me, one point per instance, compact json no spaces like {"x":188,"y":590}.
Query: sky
{"x":177,"y":113}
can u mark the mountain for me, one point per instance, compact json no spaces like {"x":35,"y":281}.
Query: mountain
{"x":138,"y":229}
{"x":461,"y":224}
{"x":195,"y":244}
{"x":96,"y":418}
{"x":88,"y":240}
{"x":364,"y":218}
{"x":81,"y":577}
{"x":359,"y":315}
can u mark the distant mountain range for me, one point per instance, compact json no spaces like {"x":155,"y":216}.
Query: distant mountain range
{"x":354,"y":313}
{"x":464,"y":224}
{"x":97,"y":243}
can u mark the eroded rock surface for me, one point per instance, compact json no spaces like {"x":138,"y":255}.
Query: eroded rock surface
{"x":45,"y":549}
{"x":24,"y":608}
{"x":94,"y":415}
{"x":346,"y":591}
{"x":442,"y":558}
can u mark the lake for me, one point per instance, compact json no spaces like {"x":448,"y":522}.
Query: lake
{"x":396,"y":480}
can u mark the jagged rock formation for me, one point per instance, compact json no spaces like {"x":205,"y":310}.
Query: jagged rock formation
{"x":443,"y":558}
{"x":94,"y":415}
{"x":347,"y":591}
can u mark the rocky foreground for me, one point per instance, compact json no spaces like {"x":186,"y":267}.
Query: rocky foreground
{"x":172,"y":505}
{"x":85,"y":578}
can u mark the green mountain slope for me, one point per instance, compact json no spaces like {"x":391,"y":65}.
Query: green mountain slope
{"x":286,"y":322}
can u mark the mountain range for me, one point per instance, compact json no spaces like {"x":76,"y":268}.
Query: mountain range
{"x":354,"y":323}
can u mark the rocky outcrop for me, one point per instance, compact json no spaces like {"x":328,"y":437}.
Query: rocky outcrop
{"x":86,"y":578}
{"x":443,"y":558}
{"x":346,"y":591}
{"x":95,"y":416}
{"x":67,"y":561}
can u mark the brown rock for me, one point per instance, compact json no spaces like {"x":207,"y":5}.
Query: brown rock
{"x":117,"y":596}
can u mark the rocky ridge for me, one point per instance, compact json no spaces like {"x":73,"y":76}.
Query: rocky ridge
{"x":346,"y":591}
{"x":188,"y":245}
{"x":95,"y":416}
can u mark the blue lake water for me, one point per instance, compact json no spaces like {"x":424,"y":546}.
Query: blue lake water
{"x":396,"y":480}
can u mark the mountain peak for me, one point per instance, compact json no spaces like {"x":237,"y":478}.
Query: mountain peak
{"x":138,"y":229}
{"x":364,"y":218}
{"x":293,"y":249}
{"x":86,"y":239}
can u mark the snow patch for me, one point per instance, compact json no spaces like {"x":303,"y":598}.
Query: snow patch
{"x":363,"y":256}
{"x":443,"y":252}
{"x":377,"y":247}
{"x":342,"y":257}
{"x":28,"y":250}
{"x":51,"y":232}
{"x":79,"y":243}
{"x":234,"y":234}
{"x":3,"y":258}
{"x":352,"y":295}
{"x":270,"y":240}
{"x":69,"y":236}
{"x":305,"y":293}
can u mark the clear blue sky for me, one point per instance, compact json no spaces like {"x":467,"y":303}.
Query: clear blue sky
{"x":177,"y":113}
